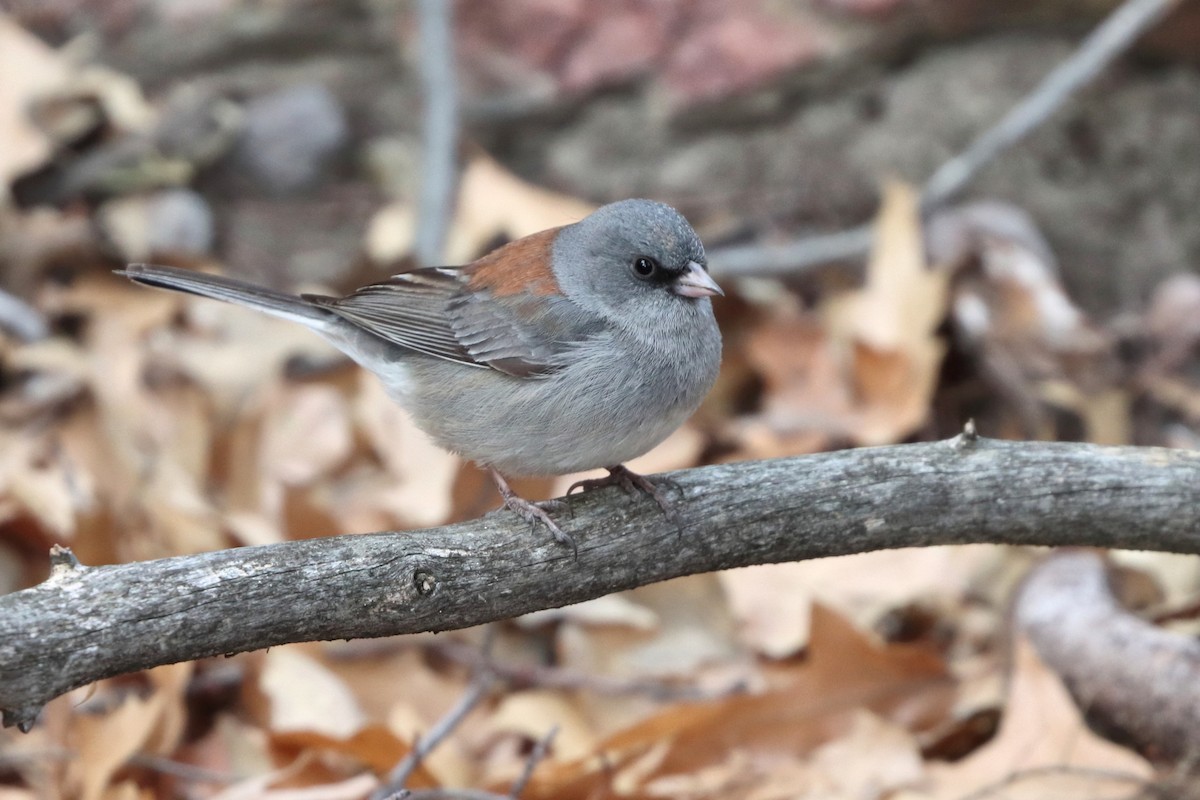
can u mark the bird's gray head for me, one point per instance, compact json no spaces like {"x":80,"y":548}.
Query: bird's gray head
{"x":633,"y":252}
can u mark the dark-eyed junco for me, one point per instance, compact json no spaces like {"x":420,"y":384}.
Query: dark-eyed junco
{"x":574,"y":348}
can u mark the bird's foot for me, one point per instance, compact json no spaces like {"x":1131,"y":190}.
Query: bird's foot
{"x":534,"y":513}
{"x":633,"y":484}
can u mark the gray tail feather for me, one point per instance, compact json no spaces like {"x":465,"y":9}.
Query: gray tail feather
{"x":279,"y":304}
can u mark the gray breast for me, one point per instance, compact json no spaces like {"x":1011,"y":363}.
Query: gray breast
{"x":617,"y":396}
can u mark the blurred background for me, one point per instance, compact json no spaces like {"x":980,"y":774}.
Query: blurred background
{"x":887,"y":279}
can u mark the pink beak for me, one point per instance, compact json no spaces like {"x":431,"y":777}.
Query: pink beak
{"x":695,"y":282}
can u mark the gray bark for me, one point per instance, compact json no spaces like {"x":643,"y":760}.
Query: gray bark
{"x":87,"y":623}
{"x":1135,"y":683}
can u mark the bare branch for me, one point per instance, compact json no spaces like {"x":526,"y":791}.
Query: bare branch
{"x":1109,"y":40}
{"x":439,"y":154}
{"x":538,"y":753}
{"x":524,"y":676}
{"x":1135,"y":683}
{"x":87,"y":623}
{"x":480,"y":686}
{"x":1095,"y":776}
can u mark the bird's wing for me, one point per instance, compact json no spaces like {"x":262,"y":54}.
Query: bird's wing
{"x":408,"y":310}
{"x":437,"y":311}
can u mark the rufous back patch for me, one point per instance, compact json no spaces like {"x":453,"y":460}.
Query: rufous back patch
{"x":519,"y":267}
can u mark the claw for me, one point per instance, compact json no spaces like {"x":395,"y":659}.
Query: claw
{"x":633,"y":484}
{"x":534,"y":513}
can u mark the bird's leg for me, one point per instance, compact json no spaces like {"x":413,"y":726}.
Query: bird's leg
{"x":531,"y":512}
{"x":632,"y":483}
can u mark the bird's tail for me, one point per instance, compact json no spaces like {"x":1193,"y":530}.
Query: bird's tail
{"x":278,"y":304}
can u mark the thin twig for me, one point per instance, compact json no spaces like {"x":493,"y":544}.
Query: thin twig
{"x":449,"y":794}
{"x":544,"y":677}
{"x":177,"y":769}
{"x":792,"y":257}
{"x":539,"y":752}
{"x":1032,"y":773}
{"x":480,"y":686}
{"x":439,"y":84}
{"x":1101,"y":47}
{"x":166,"y":766}
{"x":16,"y":758}
{"x":21,"y":319}
{"x":1188,"y":611}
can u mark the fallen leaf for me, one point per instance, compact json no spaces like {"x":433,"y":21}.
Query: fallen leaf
{"x":29,"y":70}
{"x":306,"y":435}
{"x":611,"y":609}
{"x":534,"y":713}
{"x":105,"y":742}
{"x":865,"y":368}
{"x":304,"y":695}
{"x":420,"y":474}
{"x":1041,"y":728}
{"x":845,"y":672}
{"x":873,"y":760}
{"x":886,"y":332}
{"x":772,"y":601}
{"x":374,"y":746}
{"x":42,"y":481}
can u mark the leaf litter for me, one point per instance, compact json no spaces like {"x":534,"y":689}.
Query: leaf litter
{"x":152,"y":425}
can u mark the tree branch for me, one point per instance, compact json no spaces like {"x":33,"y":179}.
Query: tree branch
{"x":83,"y":624}
{"x":439,"y":161}
{"x":1136,"y":683}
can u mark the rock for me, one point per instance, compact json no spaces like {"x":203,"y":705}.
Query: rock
{"x":290,"y":140}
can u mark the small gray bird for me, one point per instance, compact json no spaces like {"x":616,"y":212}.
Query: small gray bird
{"x":575,"y":348}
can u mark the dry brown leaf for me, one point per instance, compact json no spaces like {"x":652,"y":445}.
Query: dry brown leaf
{"x":373,"y":746}
{"x":772,"y":601}
{"x":305,"y":696}
{"x":447,"y":765}
{"x":533,"y":713}
{"x":902,"y":301}
{"x":13,"y":793}
{"x":784,"y":780}
{"x":1105,"y":414}
{"x":401,"y":690}
{"x":170,"y":682}
{"x":886,"y":332}
{"x":1176,"y":575}
{"x":354,"y":788}
{"x":731,"y":778}
{"x":233,"y":351}
{"x":128,"y":790}
{"x":874,"y":759}
{"x":306,"y":435}
{"x":257,"y":786}
{"x":867,"y":370}
{"x":807,"y":402}
{"x":238,"y":748}
{"x":492,"y":204}
{"x":693,"y":627}
{"x":42,"y":482}
{"x":29,"y":70}
{"x":845,"y":672}
{"x":106,"y":742}
{"x":420,"y":481}
{"x":611,"y":609}
{"x":1041,"y":727}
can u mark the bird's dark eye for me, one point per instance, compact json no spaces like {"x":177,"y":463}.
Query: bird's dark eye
{"x":645,"y":267}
